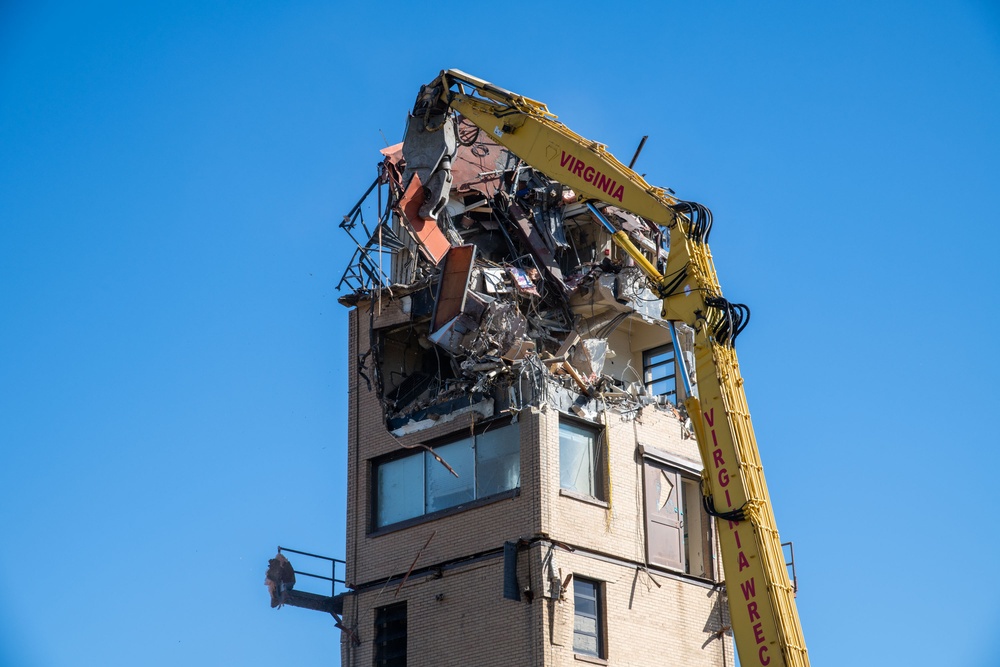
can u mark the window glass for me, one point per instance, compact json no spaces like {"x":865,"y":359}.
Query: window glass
{"x":498,"y":461}
{"x":586,"y":618}
{"x":409,"y":487}
{"x":697,"y":532}
{"x":444,"y":489}
{"x":659,"y":372}
{"x":576,"y":458}
{"x":400,"y":490}
{"x":390,"y":636}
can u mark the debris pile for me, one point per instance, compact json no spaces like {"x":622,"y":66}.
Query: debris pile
{"x":513,"y":293}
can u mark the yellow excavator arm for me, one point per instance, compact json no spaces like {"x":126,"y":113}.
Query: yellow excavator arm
{"x":765,"y":621}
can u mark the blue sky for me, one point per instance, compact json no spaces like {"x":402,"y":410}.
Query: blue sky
{"x":172,"y":373}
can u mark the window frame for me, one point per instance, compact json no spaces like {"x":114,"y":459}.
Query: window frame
{"x":688,"y":474}
{"x":380,"y":642}
{"x":599,"y":617}
{"x":376,"y":464}
{"x":598,"y":459}
{"x":671,"y":377}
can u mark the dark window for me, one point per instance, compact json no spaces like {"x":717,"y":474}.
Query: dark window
{"x":678,"y":530}
{"x":581,"y":460}
{"x":588,"y":624}
{"x":390,"y":635}
{"x":659,"y":372}
{"x":485,"y":464}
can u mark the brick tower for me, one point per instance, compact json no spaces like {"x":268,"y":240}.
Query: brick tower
{"x":522,"y":489}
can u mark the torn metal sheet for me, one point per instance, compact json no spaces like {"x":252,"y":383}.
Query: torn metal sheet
{"x":474,"y":168}
{"x":394,"y":152}
{"x":566,"y":400}
{"x":429,"y":237}
{"x":454,"y":284}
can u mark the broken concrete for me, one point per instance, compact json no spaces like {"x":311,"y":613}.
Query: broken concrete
{"x":503,"y":290}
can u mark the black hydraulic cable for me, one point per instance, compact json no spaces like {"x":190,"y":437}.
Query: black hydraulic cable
{"x":466,"y":123}
{"x":735,"y":317}
{"x":738,"y":514}
{"x":700,"y":217}
{"x":678,"y":278}
{"x":742,"y":319}
{"x":724,"y":329}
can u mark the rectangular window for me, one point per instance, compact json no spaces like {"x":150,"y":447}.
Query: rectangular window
{"x":659,"y":372}
{"x":588,"y":637}
{"x":390,"y":635}
{"x":417,"y":484}
{"x":581,"y":459}
{"x":678,"y":529}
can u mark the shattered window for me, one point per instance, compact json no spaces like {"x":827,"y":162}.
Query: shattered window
{"x":412,"y":486}
{"x":579,"y":460}
{"x":678,"y":529}
{"x":444,"y":489}
{"x":587,"y":636}
{"x":659,"y":372}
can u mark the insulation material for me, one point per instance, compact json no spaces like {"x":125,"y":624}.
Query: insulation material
{"x":588,"y":357}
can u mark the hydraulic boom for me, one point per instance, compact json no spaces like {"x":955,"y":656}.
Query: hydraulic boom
{"x":765,"y":620}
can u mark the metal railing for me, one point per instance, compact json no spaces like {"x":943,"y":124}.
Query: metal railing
{"x":790,"y":565}
{"x":333,"y":568}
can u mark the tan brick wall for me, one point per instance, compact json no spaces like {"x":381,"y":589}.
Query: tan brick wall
{"x":620,"y":528}
{"x":460,"y":617}
{"x":371,"y":558}
{"x":645,"y":623}
{"x":472,"y":624}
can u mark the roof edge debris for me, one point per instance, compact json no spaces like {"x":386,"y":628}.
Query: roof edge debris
{"x":505,"y":290}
